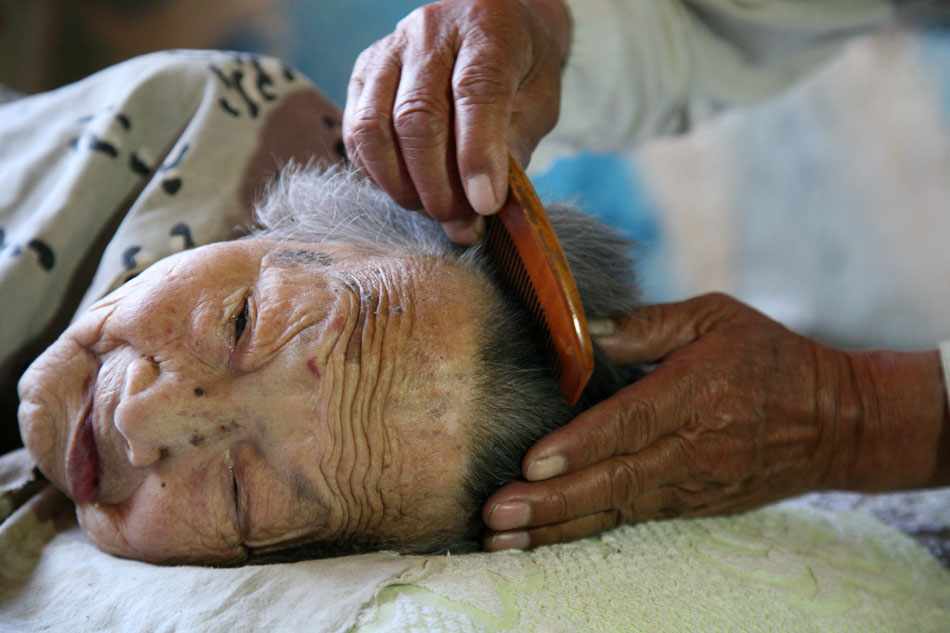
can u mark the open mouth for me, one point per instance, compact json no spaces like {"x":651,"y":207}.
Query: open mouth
{"x":82,"y":462}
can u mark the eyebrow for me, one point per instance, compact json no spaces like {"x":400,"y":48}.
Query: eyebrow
{"x":290,"y":257}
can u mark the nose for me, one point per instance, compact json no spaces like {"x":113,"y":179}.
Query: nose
{"x":162,"y":413}
{"x":137,"y":415}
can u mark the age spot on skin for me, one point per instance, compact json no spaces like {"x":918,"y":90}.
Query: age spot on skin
{"x":312,"y":366}
{"x":197,"y":439}
{"x":436,"y":412}
{"x":225,"y":428}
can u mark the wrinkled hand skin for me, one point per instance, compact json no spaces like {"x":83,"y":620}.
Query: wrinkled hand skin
{"x":433,"y":108}
{"x":738,"y":412}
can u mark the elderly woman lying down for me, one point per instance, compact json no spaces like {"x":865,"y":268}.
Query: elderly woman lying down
{"x":342,"y":378}
{"x":345,"y":378}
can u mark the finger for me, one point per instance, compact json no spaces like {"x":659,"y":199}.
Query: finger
{"x":422,"y":119}
{"x":653,"y":505}
{"x":613,"y":484}
{"x":624,"y":424}
{"x":484,"y":81}
{"x":368,"y":126}
{"x":652,"y":332}
{"x":558,"y":533}
{"x":465,"y":231}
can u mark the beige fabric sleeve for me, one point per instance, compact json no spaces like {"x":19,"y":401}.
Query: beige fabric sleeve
{"x":642,"y":68}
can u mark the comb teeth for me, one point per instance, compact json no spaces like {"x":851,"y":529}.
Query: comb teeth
{"x":531,"y":262}
{"x":515,"y":275}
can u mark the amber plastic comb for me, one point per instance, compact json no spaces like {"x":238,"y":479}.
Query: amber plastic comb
{"x":530,"y":259}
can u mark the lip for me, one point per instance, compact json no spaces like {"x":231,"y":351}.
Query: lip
{"x":82,"y":461}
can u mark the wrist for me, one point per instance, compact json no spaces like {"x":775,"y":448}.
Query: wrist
{"x":890,"y":419}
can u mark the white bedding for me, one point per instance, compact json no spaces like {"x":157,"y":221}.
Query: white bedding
{"x":784,"y":568}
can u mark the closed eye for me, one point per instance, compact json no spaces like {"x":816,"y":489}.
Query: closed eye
{"x":240,"y":322}
{"x":235,"y":494}
{"x":236,"y":491}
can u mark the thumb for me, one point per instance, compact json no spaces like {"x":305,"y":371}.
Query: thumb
{"x":652,"y":332}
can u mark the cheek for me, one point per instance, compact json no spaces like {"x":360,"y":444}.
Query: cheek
{"x":174,"y":524}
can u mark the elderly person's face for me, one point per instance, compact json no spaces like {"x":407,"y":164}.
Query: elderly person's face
{"x":252,"y":393}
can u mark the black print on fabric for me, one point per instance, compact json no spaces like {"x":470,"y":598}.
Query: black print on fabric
{"x":289,"y":73}
{"x":44,"y":253}
{"x":172,"y":184}
{"x":128,"y":257}
{"x":136,"y":163}
{"x":45,"y":256}
{"x":181,"y":230}
{"x":248,"y":84}
{"x":264,"y":81}
{"x":96,"y":143}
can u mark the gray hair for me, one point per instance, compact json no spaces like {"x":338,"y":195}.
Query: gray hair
{"x":517,"y":399}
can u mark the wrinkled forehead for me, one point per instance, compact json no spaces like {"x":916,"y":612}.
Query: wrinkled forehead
{"x":251,"y":254}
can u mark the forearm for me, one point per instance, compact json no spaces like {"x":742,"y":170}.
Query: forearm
{"x":893,"y":424}
{"x":641,"y":68}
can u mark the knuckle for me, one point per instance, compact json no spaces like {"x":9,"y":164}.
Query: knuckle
{"x":562,"y":506}
{"x":368,"y":126}
{"x":482,"y":85}
{"x":712,"y":310}
{"x":367,"y":140}
{"x":637,"y":423}
{"x":421,"y":117}
{"x":683,"y":448}
{"x":627,"y":483}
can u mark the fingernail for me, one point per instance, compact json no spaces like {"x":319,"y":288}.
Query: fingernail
{"x":510,"y":540}
{"x":545,"y":467}
{"x":481,"y":195}
{"x":601,"y":327}
{"x":510,"y":515}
